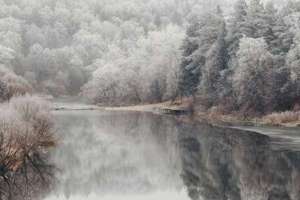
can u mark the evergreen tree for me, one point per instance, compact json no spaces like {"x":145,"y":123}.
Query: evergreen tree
{"x":293,"y":64}
{"x":278,"y":34}
{"x":236,"y":28}
{"x":216,"y":62}
{"x":256,"y":24}
{"x":190,"y":64}
{"x":4,"y":93}
{"x":283,"y":89}
{"x":200,"y":36}
{"x":270,"y":21}
{"x":283,"y":38}
{"x":252,"y":81}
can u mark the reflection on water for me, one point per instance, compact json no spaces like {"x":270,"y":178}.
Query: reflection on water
{"x":221,"y":164}
{"x":117,"y":156}
{"x":136,"y":156}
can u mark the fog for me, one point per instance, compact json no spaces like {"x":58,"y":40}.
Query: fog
{"x":116,"y":156}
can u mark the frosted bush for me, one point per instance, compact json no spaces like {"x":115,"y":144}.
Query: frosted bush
{"x":26,"y":132}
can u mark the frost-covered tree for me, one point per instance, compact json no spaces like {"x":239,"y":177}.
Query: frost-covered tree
{"x":211,"y":85}
{"x":271,"y":17}
{"x":148,"y":73}
{"x":200,"y":36}
{"x":45,"y":41}
{"x":256,"y":25}
{"x":3,"y":91}
{"x":277,"y":35}
{"x":293,"y":64}
{"x":282,"y":38}
{"x":252,"y":80}
{"x":190,"y":65}
{"x":236,"y":28}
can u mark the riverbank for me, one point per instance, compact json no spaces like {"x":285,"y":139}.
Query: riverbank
{"x":273,"y":120}
{"x":161,"y":108}
{"x":284,"y":119}
{"x":185,"y":109}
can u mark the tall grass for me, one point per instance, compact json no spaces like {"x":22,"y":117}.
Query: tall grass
{"x":282,"y":118}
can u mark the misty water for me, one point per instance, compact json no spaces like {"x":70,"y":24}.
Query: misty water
{"x":141,"y":156}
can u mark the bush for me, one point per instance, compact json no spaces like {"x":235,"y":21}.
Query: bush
{"x":26,"y":131}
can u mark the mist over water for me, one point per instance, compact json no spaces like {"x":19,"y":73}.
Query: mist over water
{"x":117,"y":156}
{"x":171,"y":195}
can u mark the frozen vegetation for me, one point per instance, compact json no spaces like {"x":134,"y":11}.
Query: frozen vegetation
{"x":239,"y":56}
{"x":26,"y":133}
{"x":248,"y":63}
{"x":111,"y":51}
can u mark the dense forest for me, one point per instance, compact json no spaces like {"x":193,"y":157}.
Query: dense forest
{"x":106,"y":50}
{"x":249,"y":63}
{"x":237,"y":56}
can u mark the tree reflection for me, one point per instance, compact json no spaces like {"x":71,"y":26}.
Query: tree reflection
{"x":221,"y":164}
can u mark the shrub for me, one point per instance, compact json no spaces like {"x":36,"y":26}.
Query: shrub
{"x":26,"y":132}
{"x":12,"y":84}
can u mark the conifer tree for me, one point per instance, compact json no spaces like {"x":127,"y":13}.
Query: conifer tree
{"x":200,"y":37}
{"x":256,"y":25}
{"x":236,"y":28}
{"x":216,"y":62}
{"x":3,"y":91}
{"x":252,"y":80}
{"x":293,"y":64}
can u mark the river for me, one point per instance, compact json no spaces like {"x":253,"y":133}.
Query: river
{"x":142,"y":156}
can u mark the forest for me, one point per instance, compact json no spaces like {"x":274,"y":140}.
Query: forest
{"x":238,"y":56}
{"x":249,"y":63}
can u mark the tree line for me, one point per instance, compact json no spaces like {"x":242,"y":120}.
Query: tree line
{"x":241,"y":57}
{"x":62,"y":47}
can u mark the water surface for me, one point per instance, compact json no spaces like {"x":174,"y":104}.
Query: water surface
{"x":140,"y":156}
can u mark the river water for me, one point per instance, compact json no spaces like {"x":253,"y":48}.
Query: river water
{"x":140,"y":156}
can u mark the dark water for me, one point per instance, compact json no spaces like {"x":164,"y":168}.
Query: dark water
{"x":136,"y":156}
